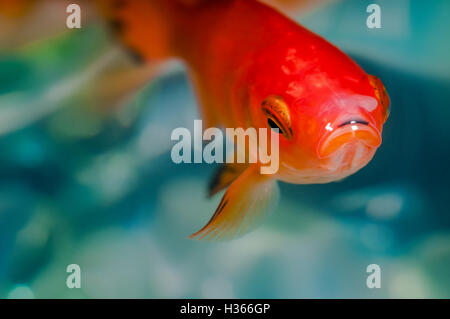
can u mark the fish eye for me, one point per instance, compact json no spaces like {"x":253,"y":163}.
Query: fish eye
{"x":278,"y":116}
{"x":274,"y":126}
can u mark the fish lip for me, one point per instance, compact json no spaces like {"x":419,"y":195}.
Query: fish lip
{"x":343,"y":126}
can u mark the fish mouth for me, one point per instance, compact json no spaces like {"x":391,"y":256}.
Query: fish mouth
{"x":350,"y":131}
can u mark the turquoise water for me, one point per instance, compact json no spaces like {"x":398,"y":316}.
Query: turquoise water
{"x":98,"y":189}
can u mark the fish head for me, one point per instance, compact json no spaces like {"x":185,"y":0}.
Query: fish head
{"x":330,"y":132}
{"x":328,"y":112}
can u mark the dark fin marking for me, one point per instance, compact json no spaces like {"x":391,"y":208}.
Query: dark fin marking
{"x":224,"y":176}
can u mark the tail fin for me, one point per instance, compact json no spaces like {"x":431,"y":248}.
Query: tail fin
{"x":145,"y":28}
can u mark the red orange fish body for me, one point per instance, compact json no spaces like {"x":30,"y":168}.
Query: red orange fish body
{"x":250,"y":54}
{"x":253,"y":67}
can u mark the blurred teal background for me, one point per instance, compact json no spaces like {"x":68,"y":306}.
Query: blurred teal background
{"x":98,"y":189}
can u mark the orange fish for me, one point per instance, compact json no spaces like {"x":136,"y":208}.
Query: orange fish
{"x":254,"y":67}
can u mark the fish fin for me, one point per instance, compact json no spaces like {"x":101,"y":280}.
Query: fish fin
{"x":247,"y":201}
{"x":117,"y":84}
{"x":224,"y":176}
{"x":26,"y":22}
{"x":143,"y":27}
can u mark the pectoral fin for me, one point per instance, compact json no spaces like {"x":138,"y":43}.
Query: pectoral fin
{"x":224,"y":176}
{"x":248,"y":200}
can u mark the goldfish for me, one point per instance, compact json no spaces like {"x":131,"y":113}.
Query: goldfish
{"x":253,"y":67}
